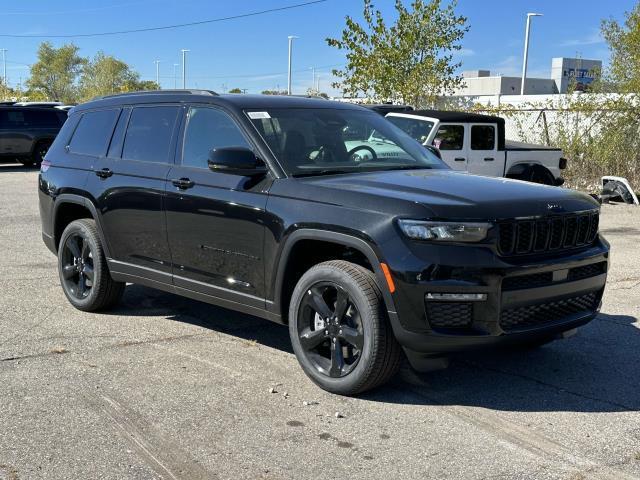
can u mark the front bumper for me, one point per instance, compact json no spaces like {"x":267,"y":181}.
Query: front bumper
{"x":523,"y":299}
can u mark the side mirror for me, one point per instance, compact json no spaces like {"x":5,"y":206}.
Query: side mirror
{"x":236,"y":161}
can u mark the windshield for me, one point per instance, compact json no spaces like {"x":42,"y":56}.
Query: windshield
{"x":316,"y":141}
{"x":417,"y":129}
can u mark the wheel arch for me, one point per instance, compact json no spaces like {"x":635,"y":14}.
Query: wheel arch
{"x":69,"y":207}
{"x":517,"y":170}
{"x":346,"y":242}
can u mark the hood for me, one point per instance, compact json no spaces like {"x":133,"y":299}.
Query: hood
{"x":450,"y":194}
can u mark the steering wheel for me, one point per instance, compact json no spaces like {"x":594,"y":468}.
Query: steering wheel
{"x":363,"y":147}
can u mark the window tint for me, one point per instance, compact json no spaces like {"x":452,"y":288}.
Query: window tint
{"x":115,"y":147}
{"x":42,"y":118}
{"x":149,"y":134}
{"x":483,"y":137}
{"x":12,"y":119}
{"x":449,"y":137}
{"x":208,"y":128}
{"x":93,"y":133}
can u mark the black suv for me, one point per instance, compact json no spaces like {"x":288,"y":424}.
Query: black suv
{"x":365,"y":244}
{"x":26,"y":133}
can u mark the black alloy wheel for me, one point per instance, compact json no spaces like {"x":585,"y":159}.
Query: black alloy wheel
{"x":77,"y":266}
{"x":330,"y":329}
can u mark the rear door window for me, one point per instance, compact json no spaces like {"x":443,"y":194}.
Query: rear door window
{"x":42,"y":119}
{"x":149,"y":134}
{"x":93,"y":133}
{"x":483,"y":137}
{"x":449,"y":137}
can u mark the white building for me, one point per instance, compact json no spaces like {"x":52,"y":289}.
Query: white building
{"x":563,"y":70}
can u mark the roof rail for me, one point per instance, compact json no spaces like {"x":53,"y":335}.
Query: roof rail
{"x":159,"y":92}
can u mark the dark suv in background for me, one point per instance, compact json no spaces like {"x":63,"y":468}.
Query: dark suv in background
{"x":26,"y":133}
{"x":365,"y":244}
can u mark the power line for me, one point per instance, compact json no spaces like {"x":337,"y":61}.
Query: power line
{"x":168,"y":27}
{"x":254,"y":75}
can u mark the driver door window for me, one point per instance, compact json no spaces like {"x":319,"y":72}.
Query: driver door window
{"x":208,"y":128}
{"x":450,"y":140}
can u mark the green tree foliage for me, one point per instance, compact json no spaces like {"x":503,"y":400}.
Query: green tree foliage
{"x":624,"y":45}
{"x":410,"y":61}
{"x":56,"y":72}
{"x":235,"y":90}
{"x":104,"y":75}
{"x":274,"y":92}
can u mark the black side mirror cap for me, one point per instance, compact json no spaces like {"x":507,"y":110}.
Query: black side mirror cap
{"x":236,"y":161}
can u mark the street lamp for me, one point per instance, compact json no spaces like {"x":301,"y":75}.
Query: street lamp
{"x":290,"y":37}
{"x":157,"y":62}
{"x":526,"y":50}
{"x":184,"y":67}
{"x":175,"y":75}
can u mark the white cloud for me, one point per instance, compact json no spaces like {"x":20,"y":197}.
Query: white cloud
{"x":592,"y":39}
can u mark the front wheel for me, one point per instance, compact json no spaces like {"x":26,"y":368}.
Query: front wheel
{"x":39,"y":151}
{"x":83,"y":270}
{"x":339,"y":330}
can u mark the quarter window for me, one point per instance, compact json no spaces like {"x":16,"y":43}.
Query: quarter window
{"x":209,"y":128}
{"x":483,"y":137}
{"x":149,"y":134}
{"x":93,"y":133}
{"x":449,"y":137}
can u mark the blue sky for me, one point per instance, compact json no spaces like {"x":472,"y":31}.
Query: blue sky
{"x":251,"y":53}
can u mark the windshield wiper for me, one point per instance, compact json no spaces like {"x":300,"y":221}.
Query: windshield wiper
{"x":328,"y":171}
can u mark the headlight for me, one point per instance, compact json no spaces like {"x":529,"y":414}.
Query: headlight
{"x":444,"y":231}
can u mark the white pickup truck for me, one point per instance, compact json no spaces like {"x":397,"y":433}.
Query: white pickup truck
{"x":476,"y":144}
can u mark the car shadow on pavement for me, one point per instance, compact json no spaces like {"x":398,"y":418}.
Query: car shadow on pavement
{"x":595,"y":371}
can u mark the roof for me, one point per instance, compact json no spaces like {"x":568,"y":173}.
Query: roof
{"x":241,"y":101}
{"x":463,"y":117}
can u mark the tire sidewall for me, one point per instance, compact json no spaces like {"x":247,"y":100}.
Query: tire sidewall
{"x":79,"y":228}
{"x":370,"y":318}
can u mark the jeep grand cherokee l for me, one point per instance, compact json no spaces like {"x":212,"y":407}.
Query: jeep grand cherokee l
{"x":26,"y":132}
{"x":260,"y":204}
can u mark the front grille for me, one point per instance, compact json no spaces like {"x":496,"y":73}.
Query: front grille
{"x":534,"y":280}
{"x":522,"y":237}
{"x":537,"y":315}
{"x":587,"y":271}
{"x":447,"y":315}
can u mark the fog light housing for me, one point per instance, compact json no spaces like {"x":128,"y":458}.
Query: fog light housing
{"x":456,"y":297}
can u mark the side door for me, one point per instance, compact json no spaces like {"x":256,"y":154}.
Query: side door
{"x":129,"y":184}
{"x":215,"y":221}
{"x":451,"y":140}
{"x":483,"y":155}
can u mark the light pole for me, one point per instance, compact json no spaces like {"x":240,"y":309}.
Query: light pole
{"x":175,"y":75}
{"x":526,"y":50}
{"x":290,"y":37}
{"x":4,"y":68}
{"x":157,"y":62}
{"x":313,"y":78}
{"x":184,"y":68}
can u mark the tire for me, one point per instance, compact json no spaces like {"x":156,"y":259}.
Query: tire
{"x":39,"y":151}
{"x":538,"y":174}
{"x":82,"y":268}
{"x":362,"y":332}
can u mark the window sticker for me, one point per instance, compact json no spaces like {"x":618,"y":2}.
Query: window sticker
{"x":258,"y":115}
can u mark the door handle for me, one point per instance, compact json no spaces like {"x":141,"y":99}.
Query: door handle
{"x":488,"y":159}
{"x":183,"y":183}
{"x":104,"y":173}
{"x":459,"y":159}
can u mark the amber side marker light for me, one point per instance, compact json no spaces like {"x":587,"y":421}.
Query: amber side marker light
{"x":387,"y":277}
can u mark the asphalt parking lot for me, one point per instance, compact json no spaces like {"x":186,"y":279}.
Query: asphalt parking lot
{"x":166,"y":387}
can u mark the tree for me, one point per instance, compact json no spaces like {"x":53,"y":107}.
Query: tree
{"x":235,"y":90}
{"x":56,"y":72}
{"x":106,"y":75}
{"x":410,"y":61}
{"x":624,"y":46}
{"x":274,"y":92}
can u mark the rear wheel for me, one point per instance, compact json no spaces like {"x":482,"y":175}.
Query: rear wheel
{"x":339,"y":330}
{"x":538,"y":174}
{"x":83,"y":270}
{"x":39,"y":151}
